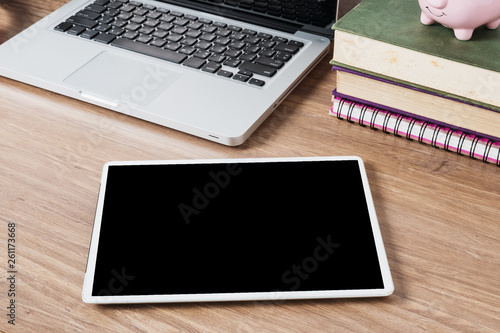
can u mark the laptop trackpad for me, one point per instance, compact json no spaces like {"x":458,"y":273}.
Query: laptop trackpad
{"x":116,"y":80}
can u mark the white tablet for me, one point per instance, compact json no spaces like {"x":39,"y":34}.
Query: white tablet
{"x":230,"y":230}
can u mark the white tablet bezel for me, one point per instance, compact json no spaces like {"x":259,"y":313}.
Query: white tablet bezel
{"x":272,"y":296}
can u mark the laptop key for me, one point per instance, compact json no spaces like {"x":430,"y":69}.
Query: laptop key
{"x":220,"y":24}
{"x":202,"y":54}
{"x":144,"y":39}
{"x":115,"y":5}
{"x":104,"y":38}
{"x":173,"y":46}
{"x":127,"y":8}
{"x":82,"y":21}
{"x":257,"y":82}
{"x":194,"y":62}
{"x":296,"y":43}
{"x":154,"y":15}
{"x":131,"y":35}
{"x":211,"y":67}
{"x":249,"y":32}
{"x":280,"y":39}
{"x":264,"y":35}
{"x":119,"y":23}
{"x":237,"y":45}
{"x":240,"y":77}
{"x":158,"y":42}
{"x":63,"y":26}
{"x":204,"y":20}
{"x":105,"y":19}
{"x":176,"y":13}
{"x":133,"y":26}
{"x":76,"y":30}
{"x":284,"y":56}
{"x":138,"y":19}
{"x":217,"y":58}
{"x":274,"y":63}
{"x":246,"y":73}
{"x":224,"y":73}
{"x":116,"y":31}
{"x":231,"y":62}
{"x":190,"y":17}
{"x":258,"y":69}
{"x":162,"y":10}
{"x":287,"y":48}
{"x":180,"y":22}
{"x":103,"y":27}
{"x":89,"y":34}
{"x":219,"y":49}
{"x":174,"y":37}
{"x":149,"y":50}
{"x":124,"y":16}
{"x":112,"y":12}
{"x":248,"y":57}
{"x":234,"y":28}
{"x":88,"y":14}
{"x":187,"y":50}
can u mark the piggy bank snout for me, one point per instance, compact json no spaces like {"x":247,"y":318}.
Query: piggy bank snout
{"x":438,"y":3}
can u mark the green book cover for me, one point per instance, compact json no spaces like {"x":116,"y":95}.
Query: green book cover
{"x":398,"y":22}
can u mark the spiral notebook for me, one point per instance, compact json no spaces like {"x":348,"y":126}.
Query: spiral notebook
{"x":436,"y":135}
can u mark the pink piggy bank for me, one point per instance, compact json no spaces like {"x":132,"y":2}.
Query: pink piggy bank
{"x":463,"y":16}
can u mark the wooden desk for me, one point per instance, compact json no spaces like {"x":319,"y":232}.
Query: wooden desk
{"x":439,"y":215}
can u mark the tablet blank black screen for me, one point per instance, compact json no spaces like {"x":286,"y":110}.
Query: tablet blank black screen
{"x":230,"y":228}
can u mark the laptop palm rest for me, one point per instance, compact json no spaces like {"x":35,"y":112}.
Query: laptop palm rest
{"x":116,"y":80}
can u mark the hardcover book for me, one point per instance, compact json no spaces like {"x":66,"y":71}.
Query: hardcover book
{"x":419,"y":102}
{"x":387,"y":39}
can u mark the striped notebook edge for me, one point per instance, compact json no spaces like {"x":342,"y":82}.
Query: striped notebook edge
{"x":438,"y":136}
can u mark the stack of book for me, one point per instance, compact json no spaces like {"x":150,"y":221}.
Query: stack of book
{"x":418,"y":81}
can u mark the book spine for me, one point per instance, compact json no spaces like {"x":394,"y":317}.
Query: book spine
{"x":435,"y":135}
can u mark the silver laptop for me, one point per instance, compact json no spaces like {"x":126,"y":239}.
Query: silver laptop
{"x":212,"y":68}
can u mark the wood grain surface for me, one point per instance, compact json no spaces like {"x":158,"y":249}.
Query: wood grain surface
{"x":439,"y":214}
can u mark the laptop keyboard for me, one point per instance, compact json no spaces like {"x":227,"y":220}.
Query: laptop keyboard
{"x":226,"y":50}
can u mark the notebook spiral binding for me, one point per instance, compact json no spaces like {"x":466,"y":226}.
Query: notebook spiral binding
{"x":423,"y":132}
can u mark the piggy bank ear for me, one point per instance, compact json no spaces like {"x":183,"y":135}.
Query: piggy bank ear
{"x":438,"y":3}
